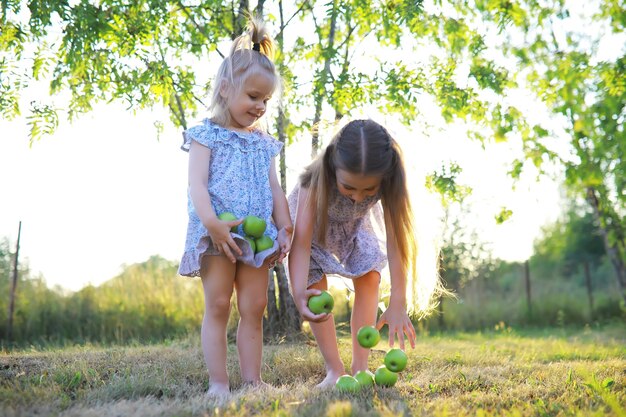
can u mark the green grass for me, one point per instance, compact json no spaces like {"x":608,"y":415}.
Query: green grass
{"x":546,"y":372}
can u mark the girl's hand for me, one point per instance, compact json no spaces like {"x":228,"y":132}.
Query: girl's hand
{"x":399,"y":324}
{"x":284,"y":242}
{"x":219,"y":231}
{"x":303,"y":307}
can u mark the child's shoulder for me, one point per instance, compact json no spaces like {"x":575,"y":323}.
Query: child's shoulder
{"x":212,"y":135}
{"x":268,"y":141}
{"x":263,"y":135}
{"x":204,"y":132}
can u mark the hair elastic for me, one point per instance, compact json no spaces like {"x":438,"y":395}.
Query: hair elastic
{"x":256,"y":47}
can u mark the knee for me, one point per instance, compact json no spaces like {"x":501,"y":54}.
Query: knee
{"x":218,"y":307}
{"x":369,"y":281}
{"x":252,"y":308}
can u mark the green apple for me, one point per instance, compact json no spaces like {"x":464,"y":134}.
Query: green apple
{"x":365,"y":378}
{"x":395,"y":360}
{"x":263,"y":243}
{"x":347,"y":383}
{"x":322,"y":303}
{"x":227,"y":216}
{"x":368,"y":336}
{"x":384,"y":377}
{"x":254,"y":226}
{"x":252,"y":243}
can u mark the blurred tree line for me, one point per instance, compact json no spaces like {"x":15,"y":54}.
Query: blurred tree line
{"x":150,"y":302}
{"x":572,"y":281}
{"x":146,"y":302}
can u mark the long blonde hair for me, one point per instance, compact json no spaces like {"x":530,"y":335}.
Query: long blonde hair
{"x":251,"y":53}
{"x":367,"y":148}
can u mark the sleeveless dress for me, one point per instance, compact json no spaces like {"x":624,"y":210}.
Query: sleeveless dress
{"x":352,"y":247}
{"x":238,"y":182}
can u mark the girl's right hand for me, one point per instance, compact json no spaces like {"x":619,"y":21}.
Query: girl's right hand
{"x":302,"y":304}
{"x":219,"y":231}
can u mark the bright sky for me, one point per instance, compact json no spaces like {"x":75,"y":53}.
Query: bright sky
{"x":104,"y":192}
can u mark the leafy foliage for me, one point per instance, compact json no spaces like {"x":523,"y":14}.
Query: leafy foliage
{"x":153,"y":53}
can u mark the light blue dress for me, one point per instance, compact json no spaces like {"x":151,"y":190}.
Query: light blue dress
{"x":239,"y":182}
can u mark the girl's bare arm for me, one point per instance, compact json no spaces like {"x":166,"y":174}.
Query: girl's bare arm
{"x":396,"y":316}
{"x":199,"y":159}
{"x":280,"y":214}
{"x":300,"y":256}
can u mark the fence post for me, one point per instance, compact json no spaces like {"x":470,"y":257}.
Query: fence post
{"x":14,"y":285}
{"x":529,"y":310}
{"x":589,"y":288}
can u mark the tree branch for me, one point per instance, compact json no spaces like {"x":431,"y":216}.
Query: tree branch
{"x":301,"y":8}
{"x":202,"y":31}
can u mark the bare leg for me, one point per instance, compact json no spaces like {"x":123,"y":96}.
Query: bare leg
{"x":326,"y":338}
{"x":218,"y":275}
{"x":251,"y":285}
{"x":363,"y":314}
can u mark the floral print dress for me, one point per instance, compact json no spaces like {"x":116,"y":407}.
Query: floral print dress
{"x":353,"y":247}
{"x":238,"y":182}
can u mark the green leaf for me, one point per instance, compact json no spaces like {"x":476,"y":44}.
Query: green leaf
{"x":503,"y":215}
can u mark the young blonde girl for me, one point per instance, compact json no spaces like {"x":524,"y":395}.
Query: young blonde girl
{"x":332,"y":208}
{"x":232,"y":169}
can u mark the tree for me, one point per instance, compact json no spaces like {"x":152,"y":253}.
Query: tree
{"x":586,"y":95}
{"x":148,"y":53}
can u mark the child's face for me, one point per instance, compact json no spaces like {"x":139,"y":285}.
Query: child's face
{"x":357,"y":187}
{"x":249,"y":104}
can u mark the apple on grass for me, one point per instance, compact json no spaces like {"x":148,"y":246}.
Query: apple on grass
{"x":396,"y":360}
{"x":227,"y":216}
{"x":263,"y":243}
{"x":347,"y":383}
{"x":365,"y":378}
{"x":384,"y":377}
{"x":322,"y":303}
{"x":254,"y":226}
{"x":368,"y":336}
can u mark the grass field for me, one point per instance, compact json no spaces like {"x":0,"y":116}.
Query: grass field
{"x":551,"y":372}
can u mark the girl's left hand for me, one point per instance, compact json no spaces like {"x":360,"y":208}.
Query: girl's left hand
{"x":399,"y":325}
{"x":284,"y":242}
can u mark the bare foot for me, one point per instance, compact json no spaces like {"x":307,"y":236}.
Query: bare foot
{"x":218,"y":390}
{"x":256,"y":385}
{"x":330,"y":380}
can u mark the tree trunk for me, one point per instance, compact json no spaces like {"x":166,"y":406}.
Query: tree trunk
{"x":272,"y":318}
{"x":283,"y":319}
{"x":281,"y":120}
{"x":259,"y":8}
{"x":240,"y":18}
{"x":320,"y":91}
{"x":14,"y":285}
{"x":290,"y":323}
{"x":611,"y":248}
{"x":589,"y":287}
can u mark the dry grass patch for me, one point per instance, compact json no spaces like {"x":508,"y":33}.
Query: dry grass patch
{"x":501,"y":374}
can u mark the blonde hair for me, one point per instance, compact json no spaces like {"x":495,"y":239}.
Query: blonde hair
{"x":365,"y":147}
{"x":242,"y":62}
